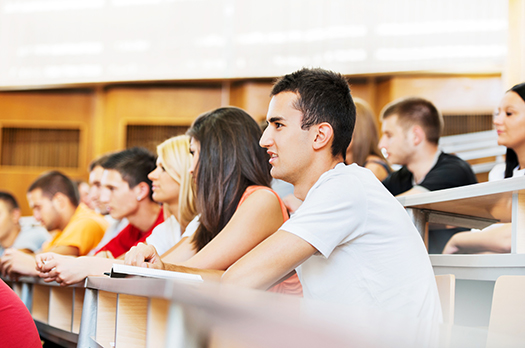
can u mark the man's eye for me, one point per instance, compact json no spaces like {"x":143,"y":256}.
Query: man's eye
{"x":278,"y":125}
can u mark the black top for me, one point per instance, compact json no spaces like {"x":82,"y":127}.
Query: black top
{"x":449,"y":171}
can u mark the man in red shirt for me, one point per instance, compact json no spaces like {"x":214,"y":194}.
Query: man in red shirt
{"x":126,"y":191}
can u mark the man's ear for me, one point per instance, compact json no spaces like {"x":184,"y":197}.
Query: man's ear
{"x":323,"y":136}
{"x":418,"y":134}
{"x":60,"y":200}
{"x":141,"y":191}
{"x":15,"y":215}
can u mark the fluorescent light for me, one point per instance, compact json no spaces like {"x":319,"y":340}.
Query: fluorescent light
{"x":440,"y":27}
{"x":439,"y":52}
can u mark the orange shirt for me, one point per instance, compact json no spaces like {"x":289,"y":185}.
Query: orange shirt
{"x":85,"y":229}
{"x":292,"y":285}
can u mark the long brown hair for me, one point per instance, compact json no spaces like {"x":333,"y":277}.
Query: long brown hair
{"x":366,"y":135}
{"x":230,"y":160}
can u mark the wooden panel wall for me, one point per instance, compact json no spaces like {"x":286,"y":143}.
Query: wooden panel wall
{"x":45,"y":109}
{"x":515,"y":67}
{"x":453,"y":94}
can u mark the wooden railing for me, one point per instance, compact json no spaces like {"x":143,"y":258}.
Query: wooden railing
{"x":143,"y":312}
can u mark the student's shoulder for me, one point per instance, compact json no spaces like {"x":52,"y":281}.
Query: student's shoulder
{"x":452,"y":162}
{"x":259,"y":195}
{"x":87,"y":218}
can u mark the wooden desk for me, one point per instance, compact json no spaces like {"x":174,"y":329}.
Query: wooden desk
{"x":144,"y":312}
{"x":474,"y":206}
{"x":56,"y":310}
{"x":209,"y":314}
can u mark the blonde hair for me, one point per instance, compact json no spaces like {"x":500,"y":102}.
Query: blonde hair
{"x":366,"y":136}
{"x":174,"y":154}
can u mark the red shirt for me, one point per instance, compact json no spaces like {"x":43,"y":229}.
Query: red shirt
{"x":17,"y":328}
{"x":129,"y":237}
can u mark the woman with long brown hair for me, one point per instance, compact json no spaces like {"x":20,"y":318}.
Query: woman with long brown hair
{"x":364,"y":149}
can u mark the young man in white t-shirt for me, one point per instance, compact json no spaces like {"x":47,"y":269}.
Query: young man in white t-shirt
{"x":351,"y":241}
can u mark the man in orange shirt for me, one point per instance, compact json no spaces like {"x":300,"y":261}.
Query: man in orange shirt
{"x":55,"y":203}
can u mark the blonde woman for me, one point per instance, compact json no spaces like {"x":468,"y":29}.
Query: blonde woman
{"x":173,"y":186}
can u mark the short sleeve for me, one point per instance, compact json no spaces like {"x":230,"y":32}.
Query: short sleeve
{"x":449,"y":172}
{"x":192,"y":227}
{"x":332,"y":213}
{"x":165,"y":235}
{"x":83,"y":233}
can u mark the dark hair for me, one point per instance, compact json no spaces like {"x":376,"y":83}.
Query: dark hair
{"x":99,"y":161}
{"x":416,"y":111}
{"x":9,"y":200}
{"x":134,"y":165}
{"x":322,"y":96}
{"x":519,"y":89}
{"x":230,"y":160}
{"x":511,"y":162}
{"x":511,"y":158}
{"x":53,"y":182}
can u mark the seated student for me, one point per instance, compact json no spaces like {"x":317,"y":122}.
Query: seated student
{"x":510,"y":124}
{"x":126,"y":190}
{"x":17,"y":328}
{"x":238,"y":209}
{"x":16,"y":232}
{"x":344,"y":247}
{"x":171,"y":184}
{"x":115,"y":226}
{"x":83,"y":193}
{"x":411,"y":130}
{"x":54,"y":200}
{"x":173,"y":187}
{"x":363,"y":149}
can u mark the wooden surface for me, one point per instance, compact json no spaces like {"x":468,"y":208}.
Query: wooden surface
{"x":157,"y":322}
{"x":508,"y":309}
{"x":77,"y":309}
{"x":61,"y":308}
{"x":446,"y":285}
{"x":492,"y":200}
{"x":40,"y":309}
{"x":106,"y":318}
{"x":132,"y":316}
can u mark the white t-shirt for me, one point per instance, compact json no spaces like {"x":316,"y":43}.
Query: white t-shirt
{"x":498,"y":172}
{"x":31,"y":236}
{"x":369,"y":252}
{"x":168,"y":233}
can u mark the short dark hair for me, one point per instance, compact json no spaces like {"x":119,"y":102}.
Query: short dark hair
{"x":416,"y":111}
{"x":97,"y":162}
{"x":9,"y":200}
{"x":134,"y":165}
{"x":53,"y":182}
{"x":323,"y":96}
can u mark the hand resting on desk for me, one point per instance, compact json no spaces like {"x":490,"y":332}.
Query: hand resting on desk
{"x":144,"y":255}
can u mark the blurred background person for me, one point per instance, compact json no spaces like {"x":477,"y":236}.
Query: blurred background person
{"x":17,"y":232}
{"x":364,"y":149}
{"x":509,"y":120}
